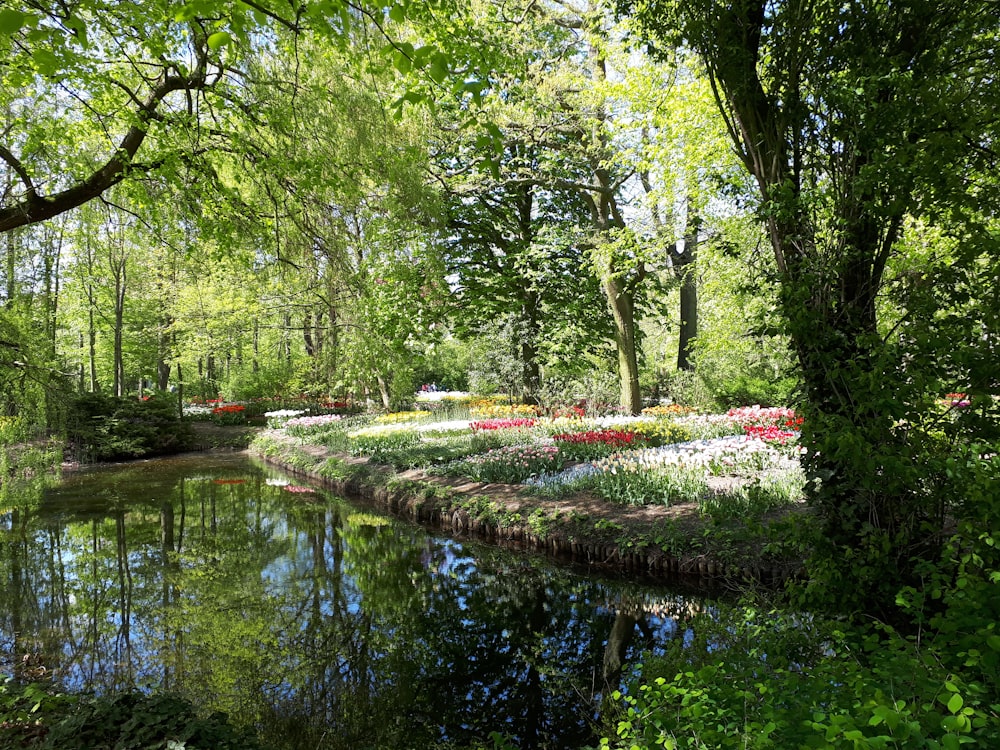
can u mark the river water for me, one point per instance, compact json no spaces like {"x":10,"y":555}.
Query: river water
{"x":318,"y":622}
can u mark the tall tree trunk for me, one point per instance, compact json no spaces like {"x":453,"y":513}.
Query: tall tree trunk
{"x":11,"y":263}
{"x":318,"y":332}
{"x":210,"y":379}
{"x":256,"y":345}
{"x":82,"y":383}
{"x":332,"y":358}
{"x":687,"y":270}
{"x":384,"y":392}
{"x":531,"y":377}
{"x":53,"y":255}
{"x":286,"y":340}
{"x":95,"y":386}
{"x":307,"y":334}
{"x":622,"y":305}
{"x":831,"y":261}
{"x":163,"y":352}
{"x":119,"y":324}
{"x":180,"y":391}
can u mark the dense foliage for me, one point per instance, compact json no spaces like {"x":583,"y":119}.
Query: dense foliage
{"x":105,"y":428}
{"x":32,"y":716}
{"x":347,"y":201}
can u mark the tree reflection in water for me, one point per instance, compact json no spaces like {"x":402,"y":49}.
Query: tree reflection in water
{"x":322,"y":625}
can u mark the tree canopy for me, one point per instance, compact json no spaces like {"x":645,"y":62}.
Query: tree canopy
{"x":321,"y":197}
{"x":865,"y":125}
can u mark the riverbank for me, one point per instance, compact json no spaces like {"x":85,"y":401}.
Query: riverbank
{"x":656,"y":541}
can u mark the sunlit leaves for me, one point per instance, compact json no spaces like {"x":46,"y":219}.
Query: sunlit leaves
{"x":397,"y":13}
{"x":218,"y":40}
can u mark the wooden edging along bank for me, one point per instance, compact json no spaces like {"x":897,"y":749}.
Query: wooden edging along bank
{"x":442,"y":505}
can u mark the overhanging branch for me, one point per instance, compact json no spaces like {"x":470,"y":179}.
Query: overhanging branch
{"x":33,"y":208}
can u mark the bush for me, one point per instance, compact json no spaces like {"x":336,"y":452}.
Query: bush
{"x":106,"y":428}
{"x":756,"y":679}
{"x":129,"y":720}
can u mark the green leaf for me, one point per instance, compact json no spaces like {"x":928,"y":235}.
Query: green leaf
{"x":993,"y":642}
{"x":218,"y":40}
{"x":410,"y":97}
{"x":11,"y":21}
{"x":401,"y":62}
{"x":397,"y":13}
{"x":45,"y":61}
{"x":955,"y":703}
{"x":439,"y":68}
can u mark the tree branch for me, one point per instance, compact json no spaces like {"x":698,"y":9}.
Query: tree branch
{"x":18,"y":168}
{"x":34,"y":208}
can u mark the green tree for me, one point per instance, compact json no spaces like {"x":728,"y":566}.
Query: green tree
{"x":29,"y":366}
{"x":556,"y":129}
{"x":344,"y":216}
{"x":510,"y":250}
{"x":93,"y":93}
{"x":855,"y":119}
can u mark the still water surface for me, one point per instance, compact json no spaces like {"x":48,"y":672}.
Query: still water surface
{"x":316,"y":621}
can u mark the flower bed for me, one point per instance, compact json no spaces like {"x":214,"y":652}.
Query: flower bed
{"x":229,"y":414}
{"x":512,"y":464}
{"x":503,"y":424}
{"x":591,"y":444}
{"x":748,"y":463}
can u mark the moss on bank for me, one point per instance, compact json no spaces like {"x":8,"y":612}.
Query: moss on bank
{"x":655,"y":541}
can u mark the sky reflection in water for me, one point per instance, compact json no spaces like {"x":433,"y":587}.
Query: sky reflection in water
{"x":322,"y":624}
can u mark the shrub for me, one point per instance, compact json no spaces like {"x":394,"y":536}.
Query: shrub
{"x":128,"y":720}
{"x":755,"y":679}
{"x":105,"y":428}
{"x":13,"y":430}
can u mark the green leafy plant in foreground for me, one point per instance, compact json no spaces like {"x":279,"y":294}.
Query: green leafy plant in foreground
{"x":756,"y":679}
{"x":37,"y":716}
